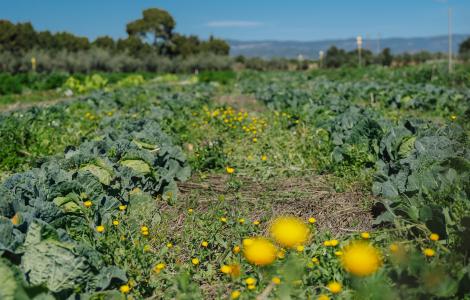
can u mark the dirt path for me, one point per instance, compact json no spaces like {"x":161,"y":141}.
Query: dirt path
{"x":25,"y":105}
{"x":337,"y":212}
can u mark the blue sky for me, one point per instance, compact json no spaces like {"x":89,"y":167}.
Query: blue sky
{"x":249,"y":20}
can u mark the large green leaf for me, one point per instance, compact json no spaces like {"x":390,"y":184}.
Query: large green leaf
{"x":103,"y":175}
{"x":55,"y":265}
{"x":138,"y":166}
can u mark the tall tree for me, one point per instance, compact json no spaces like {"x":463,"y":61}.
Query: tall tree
{"x":216,"y":46}
{"x":157,"y":23}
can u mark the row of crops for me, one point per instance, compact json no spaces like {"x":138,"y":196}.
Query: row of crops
{"x":53,"y":216}
{"x":85,"y":183}
{"x":421,"y":168}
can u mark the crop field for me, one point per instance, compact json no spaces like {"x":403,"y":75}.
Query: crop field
{"x":341,"y":184}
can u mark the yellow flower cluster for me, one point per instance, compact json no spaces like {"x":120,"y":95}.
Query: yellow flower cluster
{"x":144,"y":230}
{"x":331,"y":243}
{"x":236,"y":119}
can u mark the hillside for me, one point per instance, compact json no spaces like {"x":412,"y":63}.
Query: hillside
{"x":310,"y":49}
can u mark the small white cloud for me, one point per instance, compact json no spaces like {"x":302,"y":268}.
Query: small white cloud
{"x":233,"y":24}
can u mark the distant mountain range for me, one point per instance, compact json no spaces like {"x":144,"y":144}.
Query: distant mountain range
{"x":311,"y":49}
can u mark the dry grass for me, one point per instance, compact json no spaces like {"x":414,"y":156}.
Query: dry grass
{"x":304,"y":197}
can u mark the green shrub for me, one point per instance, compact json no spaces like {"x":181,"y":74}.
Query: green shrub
{"x":9,"y":85}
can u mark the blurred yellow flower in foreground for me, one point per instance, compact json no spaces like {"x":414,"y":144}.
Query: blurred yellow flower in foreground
{"x":259,"y":251}
{"x":361,"y":259}
{"x":323,"y":297}
{"x":289,"y":231}
{"x":334,"y":287}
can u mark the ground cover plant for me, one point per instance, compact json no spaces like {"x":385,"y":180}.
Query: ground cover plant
{"x":278,"y":185}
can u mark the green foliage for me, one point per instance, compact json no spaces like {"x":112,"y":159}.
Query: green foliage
{"x":224,"y":77}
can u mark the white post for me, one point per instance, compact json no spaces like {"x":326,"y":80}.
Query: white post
{"x":359,"y":48}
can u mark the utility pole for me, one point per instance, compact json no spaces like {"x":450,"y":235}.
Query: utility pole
{"x":450,"y":38}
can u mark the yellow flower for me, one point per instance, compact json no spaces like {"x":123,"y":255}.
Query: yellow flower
{"x":230,"y":170}
{"x":115,"y":222}
{"x":235,"y":294}
{"x":323,"y":297}
{"x":169,"y":245}
{"x":300,"y":248}
{"x":100,"y":228}
{"x":394,"y":247}
{"x":87,"y":203}
{"x":204,"y":244}
{"x":312,"y":220}
{"x":365,"y":235}
{"x":124,"y":289}
{"x":122,"y":207}
{"x":334,"y":243}
{"x":256,"y":222}
{"x":453,"y":117}
{"x":251,"y":287}
{"x":145,"y":233}
{"x":144,"y":228}
{"x":190,"y":210}
{"x":236,"y":249}
{"x":223,"y":220}
{"x":276,"y":280}
{"x":226,"y":269}
{"x":247,"y":242}
{"x":264,"y":158}
{"x":315,"y":260}
{"x":434,"y":237}
{"x":260,"y":252}
{"x":429,"y":252}
{"x":289,"y":231}
{"x":241,"y":221}
{"x":159,"y":267}
{"x":327,"y":243}
{"x":195,"y":261}
{"x":338,"y":253}
{"x":255,"y":140}
{"x":250,"y":281}
{"x":361,"y":259}
{"x":334,"y":287}
{"x":281,"y":254}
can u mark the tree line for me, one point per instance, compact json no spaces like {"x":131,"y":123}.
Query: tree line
{"x":152,"y":33}
{"x":336,"y":57}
